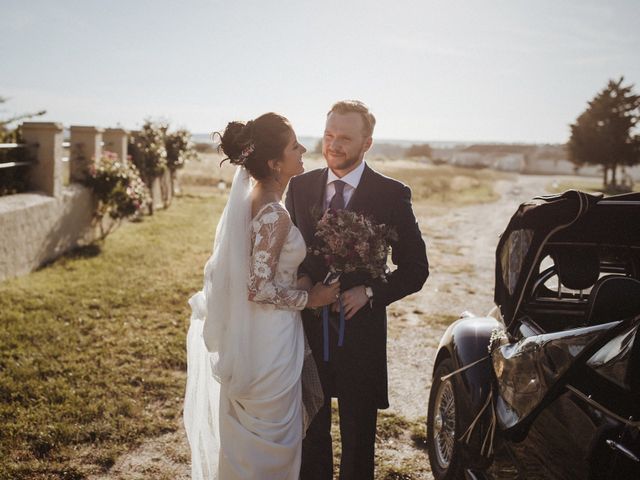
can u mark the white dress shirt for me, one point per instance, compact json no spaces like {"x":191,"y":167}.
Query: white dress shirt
{"x":351,"y":180}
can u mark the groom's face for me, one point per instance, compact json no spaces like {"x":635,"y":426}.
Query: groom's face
{"x":344,"y":143}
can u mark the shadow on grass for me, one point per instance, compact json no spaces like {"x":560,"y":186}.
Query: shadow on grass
{"x":396,"y":473}
{"x":78,"y":253}
{"x":87,"y":251}
{"x":392,"y":425}
{"x":419,"y":434}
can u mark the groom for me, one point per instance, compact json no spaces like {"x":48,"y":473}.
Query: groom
{"x":356,"y":372}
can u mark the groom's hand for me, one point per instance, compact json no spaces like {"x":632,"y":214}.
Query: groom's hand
{"x":305,"y":283}
{"x":352,"y":300}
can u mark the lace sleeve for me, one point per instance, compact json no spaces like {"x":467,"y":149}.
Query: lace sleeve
{"x":271,"y":229}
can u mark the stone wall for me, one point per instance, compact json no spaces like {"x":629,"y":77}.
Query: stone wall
{"x":39,"y":226}
{"x":36,"y":228}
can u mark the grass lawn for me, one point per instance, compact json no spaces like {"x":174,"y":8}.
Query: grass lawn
{"x":92,"y":347}
{"x":446,"y":185}
{"x":439,"y":185}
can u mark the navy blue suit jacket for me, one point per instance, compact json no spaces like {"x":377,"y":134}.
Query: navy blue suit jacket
{"x":362,"y":362}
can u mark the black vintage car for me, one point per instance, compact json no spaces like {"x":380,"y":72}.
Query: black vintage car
{"x":547,"y":385}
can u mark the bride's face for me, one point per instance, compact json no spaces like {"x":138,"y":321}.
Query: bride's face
{"x":291,"y":162}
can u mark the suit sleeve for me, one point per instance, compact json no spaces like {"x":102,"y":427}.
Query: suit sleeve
{"x":408,"y":253}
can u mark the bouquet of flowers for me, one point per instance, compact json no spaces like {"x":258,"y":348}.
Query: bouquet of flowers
{"x":349,"y":241}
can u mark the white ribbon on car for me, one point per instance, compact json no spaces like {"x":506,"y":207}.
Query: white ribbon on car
{"x":487,"y":442}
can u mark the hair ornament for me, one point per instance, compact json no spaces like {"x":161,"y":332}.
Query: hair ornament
{"x":246,"y":151}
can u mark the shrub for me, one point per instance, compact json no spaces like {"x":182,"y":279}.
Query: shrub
{"x":179,"y":148}
{"x":154,"y":151}
{"x":119,"y":190}
{"x":148,"y":152}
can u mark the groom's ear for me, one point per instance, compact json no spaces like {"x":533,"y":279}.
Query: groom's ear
{"x":367,"y":143}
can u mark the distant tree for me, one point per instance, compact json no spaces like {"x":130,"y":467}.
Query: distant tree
{"x":155,"y":149}
{"x":9,"y":134}
{"x":318,"y":147}
{"x":604,"y":133}
{"x":148,"y":153}
{"x":180,"y":150}
{"x":179,"y":146}
{"x":423,"y":150}
{"x":13,"y":180}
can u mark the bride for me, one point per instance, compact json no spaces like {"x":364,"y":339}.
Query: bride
{"x":252,"y":387}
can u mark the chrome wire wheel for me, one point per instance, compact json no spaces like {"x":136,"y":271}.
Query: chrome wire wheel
{"x":442,"y":420}
{"x":444,"y":423}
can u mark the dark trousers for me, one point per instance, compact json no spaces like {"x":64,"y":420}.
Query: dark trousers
{"x":358,"y":434}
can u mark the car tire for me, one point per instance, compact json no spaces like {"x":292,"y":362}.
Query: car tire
{"x":443,"y":425}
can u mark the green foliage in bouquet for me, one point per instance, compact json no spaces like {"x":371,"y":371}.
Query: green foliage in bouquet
{"x":119,"y":190}
{"x":349,"y":241}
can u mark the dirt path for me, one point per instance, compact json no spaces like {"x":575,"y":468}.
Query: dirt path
{"x":461,"y":247}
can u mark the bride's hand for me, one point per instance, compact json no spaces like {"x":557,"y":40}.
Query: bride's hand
{"x":321,"y":295}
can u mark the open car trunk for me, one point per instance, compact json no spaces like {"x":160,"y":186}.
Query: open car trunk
{"x":570,"y":218}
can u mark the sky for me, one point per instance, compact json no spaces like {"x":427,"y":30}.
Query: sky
{"x":449,"y":70}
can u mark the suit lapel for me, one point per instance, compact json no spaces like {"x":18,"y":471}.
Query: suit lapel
{"x":313,"y":197}
{"x":358,"y":201}
{"x":318,"y":191}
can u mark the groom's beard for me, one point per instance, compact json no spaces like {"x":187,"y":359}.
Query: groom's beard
{"x":343,"y":161}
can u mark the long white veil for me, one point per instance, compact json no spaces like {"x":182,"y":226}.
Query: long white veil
{"x":218,"y":349}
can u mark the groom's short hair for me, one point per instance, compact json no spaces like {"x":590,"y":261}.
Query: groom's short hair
{"x":356,"y":106}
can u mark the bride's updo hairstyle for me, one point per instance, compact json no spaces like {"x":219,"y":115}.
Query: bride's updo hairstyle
{"x":253,"y":143}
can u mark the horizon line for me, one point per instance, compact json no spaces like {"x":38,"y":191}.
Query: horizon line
{"x":416,"y":141}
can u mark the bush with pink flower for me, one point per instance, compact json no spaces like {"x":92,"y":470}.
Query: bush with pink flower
{"x":119,"y":191}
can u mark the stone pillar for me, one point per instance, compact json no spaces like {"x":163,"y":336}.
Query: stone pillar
{"x":44,"y":141}
{"x":86,"y":147}
{"x":116,"y":140}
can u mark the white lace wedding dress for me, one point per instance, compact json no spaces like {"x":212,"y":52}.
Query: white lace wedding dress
{"x":244,"y":415}
{"x":262,"y":433}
